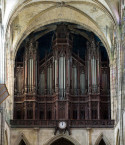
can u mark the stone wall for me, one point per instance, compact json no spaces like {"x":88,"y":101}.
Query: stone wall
{"x":41,"y":136}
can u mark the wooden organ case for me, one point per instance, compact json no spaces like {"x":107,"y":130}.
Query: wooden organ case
{"x":62,"y":86}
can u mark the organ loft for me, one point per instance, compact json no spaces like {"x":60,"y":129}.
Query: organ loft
{"x":62,"y":84}
{"x":62,"y":72}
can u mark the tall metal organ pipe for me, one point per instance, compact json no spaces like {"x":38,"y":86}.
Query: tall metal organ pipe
{"x":30,"y":58}
{"x":62,"y":47}
{"x":93,"y":65}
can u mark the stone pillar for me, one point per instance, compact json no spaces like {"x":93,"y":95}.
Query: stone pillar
{"x":89,"y":136}
{"x":123,"y":76}
{"x":2,"y":81}
{"x":122,"y":119}
{"x":112,"y":90}
{"x":2,"y":59}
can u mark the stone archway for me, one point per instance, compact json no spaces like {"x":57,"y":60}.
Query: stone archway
{"x":56,"y":14}
{"x":61,"y":140}
{"x":22,"y":140}
{"x":102,"y":140}
{"x":60,"y":14}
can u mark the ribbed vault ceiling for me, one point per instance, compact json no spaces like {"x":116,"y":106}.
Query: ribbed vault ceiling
{"x":101,"y":13}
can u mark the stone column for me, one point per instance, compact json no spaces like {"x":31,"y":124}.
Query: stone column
{"x":122,"y":119}
{"x":112,"y":91}
{"x":2,"y":58}
{"x":123,"y":76}
{"x":89,"y":136}
{"x":2,"y":81}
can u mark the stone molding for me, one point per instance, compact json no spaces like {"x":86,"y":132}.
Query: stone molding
{"x":22,"y":137}
{"x":75,"y":142}
{"x":101,"y":136}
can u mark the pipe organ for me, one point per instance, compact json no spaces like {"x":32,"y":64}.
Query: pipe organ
{"x":62,"y":86}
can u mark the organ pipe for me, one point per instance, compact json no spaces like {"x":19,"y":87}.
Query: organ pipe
{"x":42,"y":82}
{"x":82,"y":83}
{"x":62,"y":75}
{"x":49,"y":78}
{"x":68,"y":70}
{"x":56,"y":73}
{"x":93,"y":65}
{"x":30,"y":63}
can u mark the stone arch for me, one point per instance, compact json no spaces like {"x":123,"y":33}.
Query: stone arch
{"x":60,"y":14}
{"x":20,"y":138}
{"x":114,"y":12}
{"x":101,"y":136}
{"x":69,"y":138}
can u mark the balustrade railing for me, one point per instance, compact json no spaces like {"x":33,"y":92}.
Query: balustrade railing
{"x":62,"y":96}
{"x":71,"y":123}
{"x":92,"y":123}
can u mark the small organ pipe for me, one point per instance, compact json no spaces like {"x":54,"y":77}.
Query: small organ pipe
{"x":64,"y":74}
{"x":28,"y":76}
{"x":68,"y":71}
{"x":30,"y":84}
{"x":88,"y":74}
{"x":25,"y":76}
{"x":98,"y":73}
{"x":55,"y":73}
{"x":36,"y":74}
{"x":82,"y":82}
{"x":50,"y":77}
{"x":95,"y":72}
{"x":47,"y":78}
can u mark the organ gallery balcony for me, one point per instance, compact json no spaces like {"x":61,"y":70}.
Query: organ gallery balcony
{"x":71,"y":123}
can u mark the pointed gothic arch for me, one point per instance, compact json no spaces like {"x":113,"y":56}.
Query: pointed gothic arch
{"x":64,"y":18}
{"x":62,"y":141}
{"x":22,"y":142}
{"x":102,"y":138}
{"x":102,"y":142}
{"x":66,"y":137}
{"x":22,"y":139}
